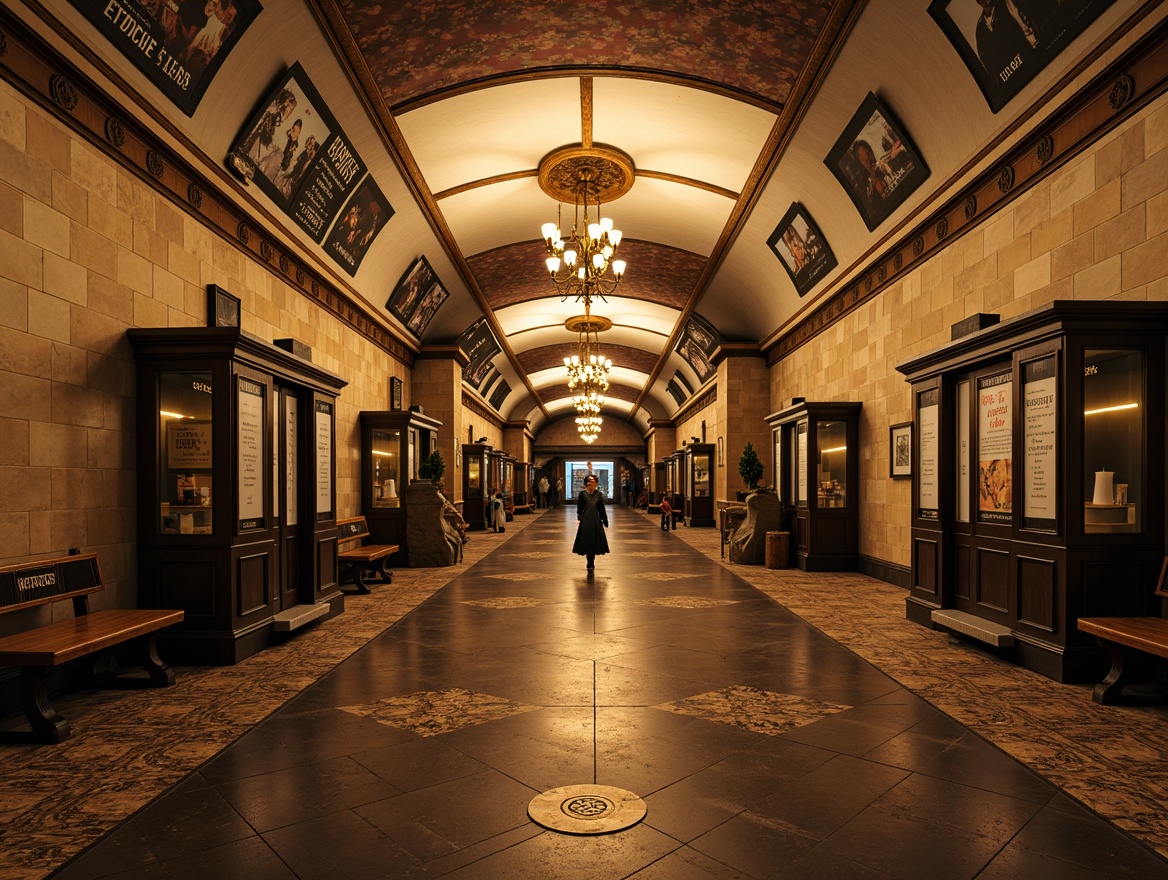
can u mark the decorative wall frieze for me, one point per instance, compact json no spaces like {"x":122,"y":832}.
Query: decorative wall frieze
{"x":480,"y":409}
{"x":1140,"y":75}
{"x":48,"y":79}
{"x":708,"y":398}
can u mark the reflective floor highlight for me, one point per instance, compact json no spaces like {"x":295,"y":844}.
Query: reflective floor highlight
{"x":761,"y":747}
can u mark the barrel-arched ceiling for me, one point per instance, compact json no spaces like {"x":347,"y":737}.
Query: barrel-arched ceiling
{"x":725,"y":110}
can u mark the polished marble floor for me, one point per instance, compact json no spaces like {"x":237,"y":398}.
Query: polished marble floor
{"x":776,"y":724}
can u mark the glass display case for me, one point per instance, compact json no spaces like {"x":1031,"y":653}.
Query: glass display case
{"x":393,"y":442}
{"x":818,"y":471}
{"x":698,"y":466}
{"x":475,"y":473}
{"x":1038,"y":479}
{"x":186,"y":466}
{"x":236,"y":489}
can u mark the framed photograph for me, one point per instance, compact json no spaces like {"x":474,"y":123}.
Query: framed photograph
{"x":900,"y":451}
{"x":222,"y":307}
{"x":697,"y":345}
{"x":395,"y":393}
{"x":876,"y":163}
{"x":801,"y":249}
{"x":1005,"y":43}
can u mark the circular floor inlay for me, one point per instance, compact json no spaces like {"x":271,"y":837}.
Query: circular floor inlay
{"x":587,"y":809}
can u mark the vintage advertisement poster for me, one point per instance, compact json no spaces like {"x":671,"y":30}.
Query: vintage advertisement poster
{"x":995,"y":422}
{"x":363,"y":217}
{"x":697,"y":345}
{"x":295,"y":152}
{"x":324,"y":460}
{"x":1040,"y":399}
{"x":1005,"y":43}
{"x":963,"y":453}
{"x":500,"y":394}
{"x":250,"y":474}
{"x":178,"y":45}
{"x":188,"y":444}
{"x":478,"y":343}
{"x":928,"y":470}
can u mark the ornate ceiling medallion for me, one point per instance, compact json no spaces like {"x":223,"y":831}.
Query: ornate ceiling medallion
{"x":609,"y":173}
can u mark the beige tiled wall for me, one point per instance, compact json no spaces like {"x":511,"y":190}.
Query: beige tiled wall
{"x":1095,"y":229}
{"x":88,"y":251}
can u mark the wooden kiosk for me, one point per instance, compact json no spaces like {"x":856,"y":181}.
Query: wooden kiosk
{"x":1038,"y":480}
{"x":236,"y":490}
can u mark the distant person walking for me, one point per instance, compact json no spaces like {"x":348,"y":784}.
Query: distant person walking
{"x":590,"y":538}
{"x":543,"y":491}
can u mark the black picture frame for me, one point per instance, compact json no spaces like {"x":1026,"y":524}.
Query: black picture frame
{"x":900,"y":451}
{"x":222,"y":308}
{"x":185,"y":56}
{"x":1003,"y":61}
{"x":801,"y":248}
{"x":697,"y":345}
{"x":876,"y":163}
{"x":395,"y":393}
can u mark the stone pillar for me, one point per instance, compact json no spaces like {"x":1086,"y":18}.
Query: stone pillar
{"x":742,"y":407}
{"x":436,"y":386}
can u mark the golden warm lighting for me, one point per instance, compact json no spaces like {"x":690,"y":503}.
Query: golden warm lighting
{"x":583,"y":263}
{"x":1107,"y":409}
{"x":836,"y":449}
{"x":171,"y":415}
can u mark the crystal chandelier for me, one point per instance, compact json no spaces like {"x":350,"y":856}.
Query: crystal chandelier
{"x":588,"y":372}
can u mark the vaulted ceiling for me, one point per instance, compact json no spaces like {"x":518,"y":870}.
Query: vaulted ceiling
{"x":726,"y":110}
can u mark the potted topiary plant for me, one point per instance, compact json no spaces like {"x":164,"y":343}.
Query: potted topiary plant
{"x":432,"y":468}
{"x":750,"y":469}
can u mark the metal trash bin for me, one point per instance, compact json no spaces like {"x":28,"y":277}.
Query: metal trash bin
{"x":778,"y":549}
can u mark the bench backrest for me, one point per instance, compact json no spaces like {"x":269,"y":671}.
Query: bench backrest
{"x":50,"y":580}
{"x":352,"y":529}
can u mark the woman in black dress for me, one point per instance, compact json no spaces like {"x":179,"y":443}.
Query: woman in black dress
{"x":590,"y":537}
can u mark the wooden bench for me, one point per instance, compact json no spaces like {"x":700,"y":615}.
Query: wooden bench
{"x":1121,"y":635}
{"x":361,"y":558}
{"x":38,"y":651}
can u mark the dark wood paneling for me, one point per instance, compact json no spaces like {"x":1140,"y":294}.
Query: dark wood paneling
{"x":1037,"y":588}
{"x":254,"y":591}
{"x":993,"y":579}
{"x":186,"y":584}
{"x":962,"y":572}
{"x":925,"y":558}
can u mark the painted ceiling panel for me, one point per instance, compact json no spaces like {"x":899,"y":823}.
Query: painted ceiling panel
{"x":417,"y":48}
{"x":470,"y":137}
{"x":681,"y":131}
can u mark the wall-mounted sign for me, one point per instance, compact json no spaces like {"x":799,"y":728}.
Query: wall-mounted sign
{"x":995,"y":434}
{"x":177,"y":46}
{"x":250,"y":444}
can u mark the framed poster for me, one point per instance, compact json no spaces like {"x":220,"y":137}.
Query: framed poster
{"x":222,"y":307}
{"x":928,"y":504}
{"x":900,"y":451}
{"x":801,"y":249}
{"x":876,"y":163}
{"x":1005,"y":43}
{"x":406,"y":296}
{"x":995,"y":436}
{"x":324,"y":460}
{"x":395,"y":393}
{"x":478,"y":343}
{"x":249,"y":442}
{"x":1039,"y":444}
{"x":295,"y":152}
{"x":179,"y":47}
{"x":697,"y":345}
{"x":363,"y":217}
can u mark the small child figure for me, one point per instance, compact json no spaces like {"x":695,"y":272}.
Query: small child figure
{"x":666,"y":514}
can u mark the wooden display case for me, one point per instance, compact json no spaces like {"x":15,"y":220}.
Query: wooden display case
{"x":475,"y":476}
{"x":393,"y":445}
{"x":236,"y":490}
{"x":697,"y":464}
{"x":1038,"y":480}
{"x":818,"y":446}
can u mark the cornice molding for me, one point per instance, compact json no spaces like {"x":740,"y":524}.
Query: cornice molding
{"x":476,"y":406}
{"x":1128,"y":84}
{"x":42,"y":74}
{"x":698,"y":403}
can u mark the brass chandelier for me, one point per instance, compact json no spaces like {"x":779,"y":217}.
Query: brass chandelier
{"x":583,"y":263}
{"x":588,"y":372}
